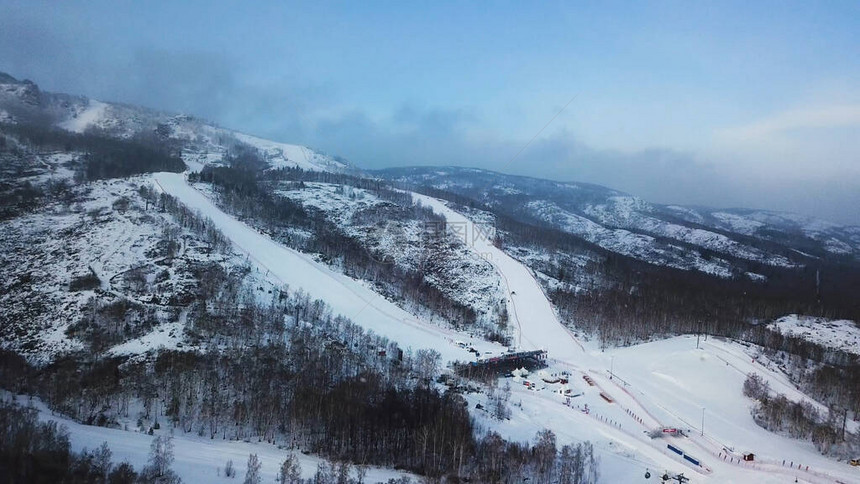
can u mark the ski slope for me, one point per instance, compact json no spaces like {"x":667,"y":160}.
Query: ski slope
{"x":679,"y":384}
{"x":346,"y":296}
{"x":664,"y":383}
{"x":661,"y":384}
{"x":283,"y":155}
{"x":536,"y":323}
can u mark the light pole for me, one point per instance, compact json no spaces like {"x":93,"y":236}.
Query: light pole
{"x":611,"y":365}
{"x":703,"y":421}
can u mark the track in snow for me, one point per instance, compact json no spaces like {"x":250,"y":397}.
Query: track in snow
{"x":537,"y":324}
{"x":344,"y":295}
{"x":538,"y":327}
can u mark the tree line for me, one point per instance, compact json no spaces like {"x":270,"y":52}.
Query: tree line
{"x":103,"y":157}
{"x":34,"y":452}
{"x":286,"y":371}
{"x":246,"y":193}
{"x":800,"y":420}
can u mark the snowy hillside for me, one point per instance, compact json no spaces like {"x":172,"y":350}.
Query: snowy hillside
{"x":282,"y":155}
{"x":639,"y":389}
{"x":109,"y":250}
{"x":622,"y":241}
{"x":840,"y":334}
{"x":719,"y":242}
{"x":200,"y":142}
{"x":807,"y":233}
{"x":272,"y":297}
{"x":461,"y":274}
{"x":346,"y":296}
{"x":94,"y":114}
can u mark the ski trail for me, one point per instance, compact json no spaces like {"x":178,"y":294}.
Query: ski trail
{"x":344,"y":295}
{"x":536,"y":321}
{"x":533,"y":316}
{"x":538,"y":327}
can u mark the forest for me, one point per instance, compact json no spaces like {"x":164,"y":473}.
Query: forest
{"x":103,"y":156}
{"x":33,"y":452}
{"x":247,"y":192}
{"x":800,"y":420}
{"x":92,"y":157}
{"x":286,"y":372}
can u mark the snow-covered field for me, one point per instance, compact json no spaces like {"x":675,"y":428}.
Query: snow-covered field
{"x":840,"y":334}
{"x":198,"y":460}
{"x":659,"y":384}
{"x":679,"y":384}
{"x":667,"y":383}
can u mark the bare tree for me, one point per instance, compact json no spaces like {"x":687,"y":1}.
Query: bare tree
{"x":498,"y":399}
{"x":252,"y":475}
{"x":544,"y":452}
{"x":360,"y":474}
{"x":427,"y":364}
{"x":101,"y":460}
{"x":160,"y":459}
{"x":291,"y":470}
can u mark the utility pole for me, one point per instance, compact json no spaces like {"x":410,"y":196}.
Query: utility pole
{"x":611,"y":365}
{"x":703,"y":421}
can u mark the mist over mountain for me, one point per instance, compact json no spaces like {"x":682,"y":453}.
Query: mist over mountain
{"x":746,"y":115}
{"x":399,"y":243}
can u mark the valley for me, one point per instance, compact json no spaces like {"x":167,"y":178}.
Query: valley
{"x":166,"y":278}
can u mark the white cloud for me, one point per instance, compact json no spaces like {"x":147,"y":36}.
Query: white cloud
{"x":834,"y":116}
{"x":811,"y":143}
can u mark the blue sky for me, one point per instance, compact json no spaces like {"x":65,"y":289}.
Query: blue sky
{"x":715,"y":103}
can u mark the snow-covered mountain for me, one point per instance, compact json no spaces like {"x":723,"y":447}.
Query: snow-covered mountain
{"x":246,"y":309}
{"x":725,"y":243}
{"x":200,"y":142}
{"x":721,"y":242}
